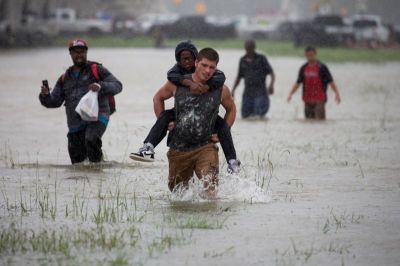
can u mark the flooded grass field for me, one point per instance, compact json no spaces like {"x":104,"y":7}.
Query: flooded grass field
{"x":309,"y":194}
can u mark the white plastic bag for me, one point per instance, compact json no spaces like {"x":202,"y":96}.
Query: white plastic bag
{"x":88,"y":106}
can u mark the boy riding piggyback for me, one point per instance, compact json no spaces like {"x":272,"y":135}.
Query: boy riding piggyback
{"x":185,"y":55}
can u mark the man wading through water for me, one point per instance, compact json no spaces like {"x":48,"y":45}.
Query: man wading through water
{"x":192,"y":147}
{"x":254,"y":69}
{"x":185,"y":55}
{"x":84,"y":138}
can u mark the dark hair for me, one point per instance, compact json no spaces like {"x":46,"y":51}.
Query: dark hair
{"x":250,"y":42}
{"x":310,"y":49}
{"x":208,"y":53}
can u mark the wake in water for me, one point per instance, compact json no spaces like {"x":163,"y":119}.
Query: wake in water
{"x":81,"y":166}
{"x":238,"y":188}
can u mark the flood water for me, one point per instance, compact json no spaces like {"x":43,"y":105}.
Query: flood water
{"x":324,"y":193}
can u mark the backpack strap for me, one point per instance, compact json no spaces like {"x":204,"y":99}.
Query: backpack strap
{"x":95,"y":72}
{"x":62,"y":78}
{"x":111,"y":99}
{"x":93,"y":69}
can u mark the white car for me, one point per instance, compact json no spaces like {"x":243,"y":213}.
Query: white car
{"x":368,"y":28}
{"x":144,"y":23}
{"x":255,"y":27}
{"x":66,"y":20}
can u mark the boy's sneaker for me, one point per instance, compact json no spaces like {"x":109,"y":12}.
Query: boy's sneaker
{"x":234,"y":166}
{"x":145,"y":153}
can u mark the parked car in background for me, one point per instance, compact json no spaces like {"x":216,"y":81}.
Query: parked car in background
{"x":396,"y":33}
{"x":65,"y":20}
{"x":284,"y":31}
{"x":145,"y":23}
{"x":369,"y":28}
{"x":195,"y":27}
{"x":323,"y":30}
{"x":258,"y":27}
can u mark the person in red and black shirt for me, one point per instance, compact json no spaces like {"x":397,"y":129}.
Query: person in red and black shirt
{"x":315,"y":77}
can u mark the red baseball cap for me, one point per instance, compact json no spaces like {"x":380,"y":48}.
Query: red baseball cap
{"x":78,"y":43}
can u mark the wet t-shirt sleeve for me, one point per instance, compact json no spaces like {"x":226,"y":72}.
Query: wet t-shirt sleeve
{"x":268,"y":67}
{"x":175,"y":75}
{"x":217,"y":80}
{"x":326,"y":75}
{"x":300,"y":76}
{"x":241,"y":69}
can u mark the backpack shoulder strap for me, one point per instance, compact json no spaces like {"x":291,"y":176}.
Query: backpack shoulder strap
{"x":95,"y":72}
{"x":93,"y":69}
{"x":63,"y":75}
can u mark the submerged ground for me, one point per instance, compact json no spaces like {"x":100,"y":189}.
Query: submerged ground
{"x":310,"y":193}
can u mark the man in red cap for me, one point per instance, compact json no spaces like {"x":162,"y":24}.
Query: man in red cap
{"x":84,"y":138}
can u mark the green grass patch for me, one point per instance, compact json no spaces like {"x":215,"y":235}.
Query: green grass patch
{"x":197,"y":221}
{"x":14,"y":240}
{"x":271,"y":48}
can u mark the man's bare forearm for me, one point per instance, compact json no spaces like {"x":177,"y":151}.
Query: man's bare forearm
{"x":270,"y":88}
{"x":294,"y":89}
{"x":164,"y":93}
{"x":230,"y":116}
{"x":334,"y":87}
{"x":186,"y":82}
{"x":272,"y":82}
{"x":158,"y":105}
{"x":237,"y":81}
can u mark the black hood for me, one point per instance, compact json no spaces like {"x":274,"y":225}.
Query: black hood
{"x":187,"y":45}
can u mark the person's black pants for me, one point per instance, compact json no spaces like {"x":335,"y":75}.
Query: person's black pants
{"x":160,"y":129}
{"x":225,"y":138}
{"x":86,"y":143}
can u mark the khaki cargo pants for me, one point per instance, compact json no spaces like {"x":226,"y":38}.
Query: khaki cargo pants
{"x":315,"y":110}
{"x":202,"y":161}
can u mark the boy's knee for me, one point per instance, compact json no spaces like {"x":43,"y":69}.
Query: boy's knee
{"x":167,"y":114}
{"x":220,"y":125}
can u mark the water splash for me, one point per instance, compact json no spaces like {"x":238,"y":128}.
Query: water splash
{"x":231,"y":188}
{"x":243,"y":188}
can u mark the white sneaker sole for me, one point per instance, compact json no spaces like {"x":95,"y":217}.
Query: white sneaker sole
{"x":140,"y":158}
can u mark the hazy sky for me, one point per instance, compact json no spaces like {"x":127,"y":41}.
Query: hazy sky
{"x":388,"y":9}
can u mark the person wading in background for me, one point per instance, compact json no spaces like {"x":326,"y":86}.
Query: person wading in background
{"x":254,"y":68}
{"x":84,"y":138}
{"x":315,"y":77}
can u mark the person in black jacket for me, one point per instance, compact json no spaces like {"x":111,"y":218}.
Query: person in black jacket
{"x":254,"y":68}
{"x":315,"y":77}
{"x":84,"y":138}
{"x":185,"y":55}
